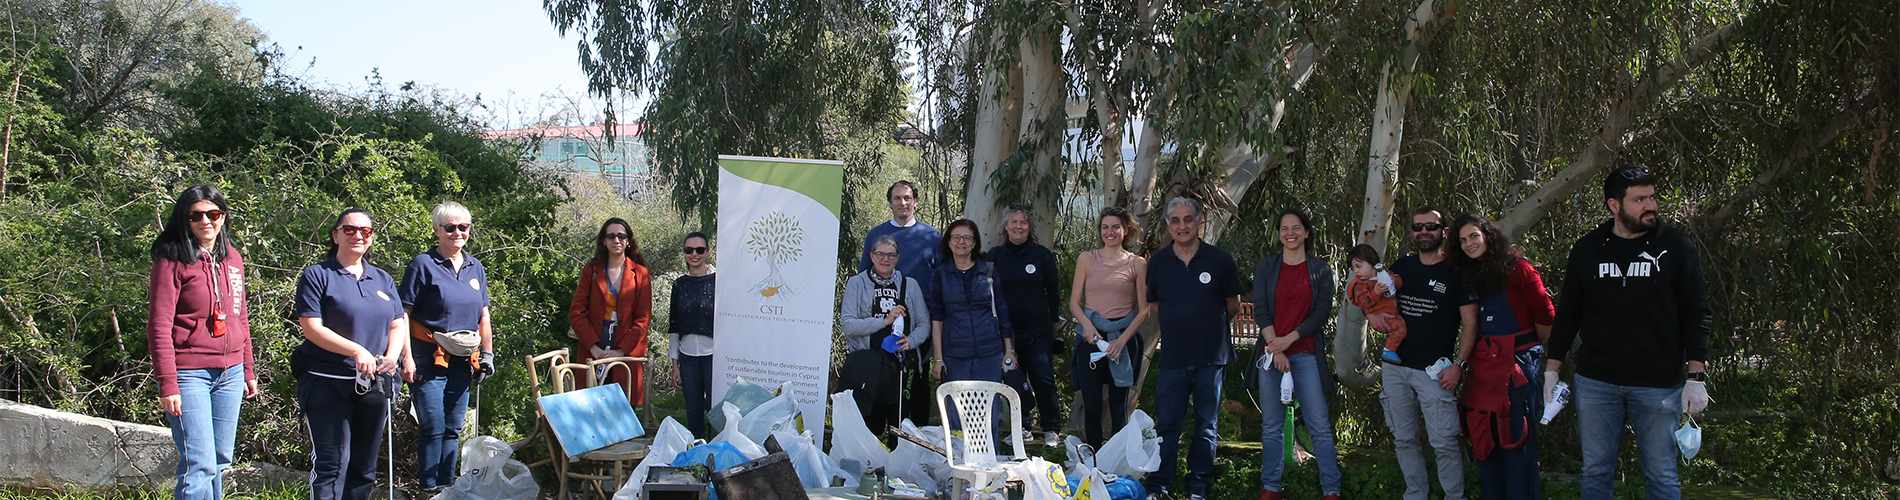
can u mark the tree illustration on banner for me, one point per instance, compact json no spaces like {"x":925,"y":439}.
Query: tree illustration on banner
{"x":779,"y":239}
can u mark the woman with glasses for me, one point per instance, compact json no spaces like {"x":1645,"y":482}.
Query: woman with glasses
{"x":354,"y":331}
{"x":883,"y":319}
{"x":445,"y":291}
{"x":968,"y":331}
{"x":200,"y":337}
{"x":690,"y":331}
{"x":613,"y":303}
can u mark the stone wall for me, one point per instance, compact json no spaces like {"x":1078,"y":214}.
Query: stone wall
{"x":41,"y":448}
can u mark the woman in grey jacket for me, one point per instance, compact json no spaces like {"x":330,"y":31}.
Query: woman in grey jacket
{"x":884,"y":320}
{"x":1293,"y":297}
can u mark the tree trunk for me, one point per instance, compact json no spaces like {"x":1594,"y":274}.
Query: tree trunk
{"x":1589,"y":163}
{"x":1042,"y":123}
{"x":995,"y":137}
{"x":1382,"y":177}
{"x":6,"y":137}
{"x":1242,"y":165}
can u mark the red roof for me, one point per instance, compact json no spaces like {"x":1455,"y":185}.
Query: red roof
{"x":595,"y":130}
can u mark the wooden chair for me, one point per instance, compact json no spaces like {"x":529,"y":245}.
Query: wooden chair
{"x":605,"y":468}
{"x":1243,"y":331}
{"x":536,"y":378}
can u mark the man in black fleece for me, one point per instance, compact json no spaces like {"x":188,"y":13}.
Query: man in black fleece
{"x":1633,"y":290}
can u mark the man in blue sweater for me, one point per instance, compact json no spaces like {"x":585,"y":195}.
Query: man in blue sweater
{"x":916,"y":256}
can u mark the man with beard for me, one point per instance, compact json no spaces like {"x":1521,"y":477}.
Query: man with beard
{"x":1441,"y":319}
{"x":1633,"y":291}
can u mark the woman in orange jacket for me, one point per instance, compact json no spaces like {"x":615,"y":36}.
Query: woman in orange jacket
{"x":613,"y":304}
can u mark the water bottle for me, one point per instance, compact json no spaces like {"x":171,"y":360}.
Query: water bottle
{"x":1558,"y":396}
{"x":1286,"y":388}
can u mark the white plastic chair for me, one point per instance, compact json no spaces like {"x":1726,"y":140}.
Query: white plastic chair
{"x":975,"y":403}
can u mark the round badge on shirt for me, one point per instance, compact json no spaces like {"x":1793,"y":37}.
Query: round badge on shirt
{"x":1029,"y":268}
{"x":1206,"y":278}
{"x":381,"y":295}
{"x":475,"y":284}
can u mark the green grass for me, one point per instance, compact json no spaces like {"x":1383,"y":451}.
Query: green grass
{"x":144,"y":493}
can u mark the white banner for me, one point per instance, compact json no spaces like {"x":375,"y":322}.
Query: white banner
{"x":778,"y":261}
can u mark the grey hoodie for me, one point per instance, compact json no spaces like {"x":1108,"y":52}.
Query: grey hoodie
{"x":861,"y":321}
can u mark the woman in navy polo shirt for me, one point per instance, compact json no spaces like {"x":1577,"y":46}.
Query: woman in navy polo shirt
{"x":613,"y":303}
{"x":445,"y":291}
{"x":200,"y":338}
{"x":353,"y":328}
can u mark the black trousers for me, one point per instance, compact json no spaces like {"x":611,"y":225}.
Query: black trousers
{"x":1035,"y":377}
{"x":346,"y":436}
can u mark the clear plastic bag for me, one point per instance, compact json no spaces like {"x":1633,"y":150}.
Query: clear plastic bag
{"x":672,"y":439}
{"x":738,"y":440}
{"x":1134,"y":451}
{"x":768,"y":417}
{"x":1086,"y":483}
{"x":850,"y":438}
{"x":742,"y":395}
{"x":918,"y":465}
{"x":815,"y":469}
{"x":489,"y":474}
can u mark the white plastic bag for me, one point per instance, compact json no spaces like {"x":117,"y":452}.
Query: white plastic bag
{"x":768,"y":417}
{"x":489,"y":474}
{"x":672,"y":439}
{"x":850,"y":438}
{"x":1090,"y":483}
{"x":731,"y":435}
{"x":1134,"y":451}
{"x":1041,"y":480}
{"x":815,"y":470}
{"x":743,"y":395}
{"x":917,"y":465}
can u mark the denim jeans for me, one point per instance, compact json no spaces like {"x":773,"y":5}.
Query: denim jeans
{"x":1174,"y":389}
{"x":1096,"y":382}
{"x":1311,"y":395}
{"x":1408,"y":396}
{"x":1035,"y":377}
{"x":206,"y":430}
{"x":1602,"y":409}
{"x":696,"y":382}
{"x":346,"y":436}
{"x":441,"y":398}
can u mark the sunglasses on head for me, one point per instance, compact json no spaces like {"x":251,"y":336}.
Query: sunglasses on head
{"x":695,"y":250}
{"x":1419,"y":227}
{"x":206,"y":215}
{"x":456,"y":228}
{"x":364,"y":231}
{"x":615,"y":236}
{"x":1633,"y":173}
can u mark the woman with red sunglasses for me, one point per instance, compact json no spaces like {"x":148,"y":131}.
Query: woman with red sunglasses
{"x":200,"y":338}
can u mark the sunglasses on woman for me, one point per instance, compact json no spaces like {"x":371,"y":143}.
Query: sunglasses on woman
{"x":362,"y":231}
{"x":455,"y":228}
{"x":695,"y":250}
{"x":206,"y":215}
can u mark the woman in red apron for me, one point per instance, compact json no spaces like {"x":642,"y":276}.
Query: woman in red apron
{"x":1501,"y":398}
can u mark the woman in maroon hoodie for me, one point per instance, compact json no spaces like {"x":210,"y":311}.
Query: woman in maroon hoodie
{"x":200,"y":338}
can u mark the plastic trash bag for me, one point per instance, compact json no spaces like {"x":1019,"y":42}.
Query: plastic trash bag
{"x":724,"y":456}
{"x":815,"y":470}
{"x":917,"y":465}
{"x":672,"y":439}
{"x":850,"y":438}
{"x":742,"y":395}
{"x":489,"y":474}
{"x":1134,"y":451}
{"x":1041,"y":480}
{"x":732,"y":436}
{"x":1086,"y":483}
{"x":760,"y":422}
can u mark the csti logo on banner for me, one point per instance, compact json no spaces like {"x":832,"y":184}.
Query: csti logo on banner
{"x":778,"y":240}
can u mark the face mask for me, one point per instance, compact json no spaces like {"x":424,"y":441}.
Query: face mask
{"x":1689,"y":439}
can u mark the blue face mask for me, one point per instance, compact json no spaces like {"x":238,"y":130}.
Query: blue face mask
{"x":1689,"y":439}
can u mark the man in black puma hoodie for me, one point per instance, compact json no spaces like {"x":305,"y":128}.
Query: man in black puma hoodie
{"x":1633,"y":291}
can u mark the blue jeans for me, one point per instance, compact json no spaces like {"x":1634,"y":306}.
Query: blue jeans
{"x":1513,"y":473}
{"x":346,"y":436}
{"x":1602,"y":409}
{"x":1307,"y":389}
{"x":206,"y":430}
{"x":1174,"y":388}
{"x":696,"y":382}
{"x":441,"y":399}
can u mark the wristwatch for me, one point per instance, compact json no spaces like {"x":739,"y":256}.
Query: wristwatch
{"x":1699,"y":376}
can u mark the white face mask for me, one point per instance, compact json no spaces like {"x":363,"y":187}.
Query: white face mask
{"x":1689,"y":439}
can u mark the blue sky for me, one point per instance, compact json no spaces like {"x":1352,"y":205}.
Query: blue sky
{"x":500,"y":49}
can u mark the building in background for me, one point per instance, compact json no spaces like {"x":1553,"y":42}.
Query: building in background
{"x":585,"y":150}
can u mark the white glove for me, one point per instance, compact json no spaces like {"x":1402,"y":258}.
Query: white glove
{"x":1550,"y":384}
{"x":1695,"y":397}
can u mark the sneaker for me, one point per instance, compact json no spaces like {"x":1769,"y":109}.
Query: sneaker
{"x":1051,"y":439}
{"x":1389,"y":356}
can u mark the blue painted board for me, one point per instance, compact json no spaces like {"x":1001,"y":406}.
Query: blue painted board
{"x":590,"y":419}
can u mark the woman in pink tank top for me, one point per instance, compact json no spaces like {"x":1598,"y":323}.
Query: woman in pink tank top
{"x":1109,"y":301}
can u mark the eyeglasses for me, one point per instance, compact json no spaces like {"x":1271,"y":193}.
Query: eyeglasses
{"x":455,"y":228}
{"x":695,"y":250}
{"x":360,"y":231}
{"x":1419,"y":227}
{"x":616,"y":236}
{"x":206,"y":215}
{"x":962,"y":237}
{"x":884,"y":255}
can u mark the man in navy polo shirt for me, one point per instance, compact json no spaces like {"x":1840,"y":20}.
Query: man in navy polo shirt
{"x":1195,"y":288}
